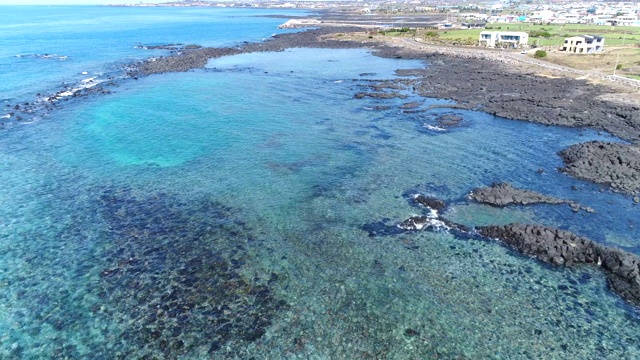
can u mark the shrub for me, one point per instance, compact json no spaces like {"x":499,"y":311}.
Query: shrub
{"x":540,"y":33}
{"x":539,"y":54}
{"x":619,"y":66}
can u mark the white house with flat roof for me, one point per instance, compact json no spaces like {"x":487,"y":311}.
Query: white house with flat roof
{"x":583,"y":44}
{"x":513,"y":39}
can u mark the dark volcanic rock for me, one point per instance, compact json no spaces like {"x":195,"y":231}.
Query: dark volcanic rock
{"x":561,"y":247}
{"x":553,"y":101}
{"x":553,"y":246}
{"x":549,"y":245}
{"x":430,"y":202}
{"x":388,"y":85}
{"x":504,"y":194}
{"x":171,"y":47}
{"x":379,"y":95}
{"x":614,"y":164}
{"x":415,"y":223}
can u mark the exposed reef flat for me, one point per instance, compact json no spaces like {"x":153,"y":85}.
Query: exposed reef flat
{"x":504,"y":194}
{"x":614,"y":164}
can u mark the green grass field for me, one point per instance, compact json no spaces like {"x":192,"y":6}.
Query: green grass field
{"x":614,"y":35}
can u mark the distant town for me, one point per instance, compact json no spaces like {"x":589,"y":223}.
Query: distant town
{"x":552,"y":12}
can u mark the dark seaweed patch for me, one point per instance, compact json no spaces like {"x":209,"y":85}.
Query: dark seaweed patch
{"x":175,"y":285}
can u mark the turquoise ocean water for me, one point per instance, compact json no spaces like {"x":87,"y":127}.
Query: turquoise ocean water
{"x":223,"y":212}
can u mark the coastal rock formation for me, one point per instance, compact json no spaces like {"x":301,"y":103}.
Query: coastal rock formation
{"x":423,"y":222}
{"x":170,"y":47}
{"x":614,"y":164}
{"x":550,"y":245}
{"x":429,"y":202}
{"x":561,"y":247}
{"x":504,"y":194}
{"x":468,"y":78}
{"x":553,"y":246}
{"x":471,"y":81}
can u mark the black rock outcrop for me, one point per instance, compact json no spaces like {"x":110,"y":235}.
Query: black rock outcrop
{"x":504,"y":194}
{"x":561,"y":247}
{"x":429,"y":202}
{"x":613,"y":164}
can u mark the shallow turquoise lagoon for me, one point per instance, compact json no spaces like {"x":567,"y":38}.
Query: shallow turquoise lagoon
{"x":221,"y":213}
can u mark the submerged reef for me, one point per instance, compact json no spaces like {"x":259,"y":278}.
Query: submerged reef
{"x":176,"y":284}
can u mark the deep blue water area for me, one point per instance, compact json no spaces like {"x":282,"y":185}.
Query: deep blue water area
{"x":43,"y":46}
{"x":222,"y":213}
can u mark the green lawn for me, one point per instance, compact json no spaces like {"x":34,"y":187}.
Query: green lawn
{"x":614,"y":35}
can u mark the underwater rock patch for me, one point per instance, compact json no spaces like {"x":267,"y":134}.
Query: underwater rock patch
{"x":393,"y":85}
{"x":449,"y":120}
{"x":176,"y":285}
{"x":380,"y":95}
{"x":411,"y":105}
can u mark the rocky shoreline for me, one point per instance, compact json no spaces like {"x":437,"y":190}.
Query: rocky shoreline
{"x":190,"y":59}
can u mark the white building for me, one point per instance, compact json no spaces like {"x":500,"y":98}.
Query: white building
{"x":514,"y":39}
{"x":584,"y":44}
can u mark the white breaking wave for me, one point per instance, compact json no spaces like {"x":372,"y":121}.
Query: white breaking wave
{"x":434,"y":128}
{"x":84,"y":84}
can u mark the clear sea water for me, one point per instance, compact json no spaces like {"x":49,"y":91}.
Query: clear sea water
{"x":222,"y":213}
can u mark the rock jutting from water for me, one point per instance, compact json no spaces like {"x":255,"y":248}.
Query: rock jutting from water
{"x":504,"y":194}
{"x":550,"y":245}
{"x":561,"y":247}
{"x":614,"y":164}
